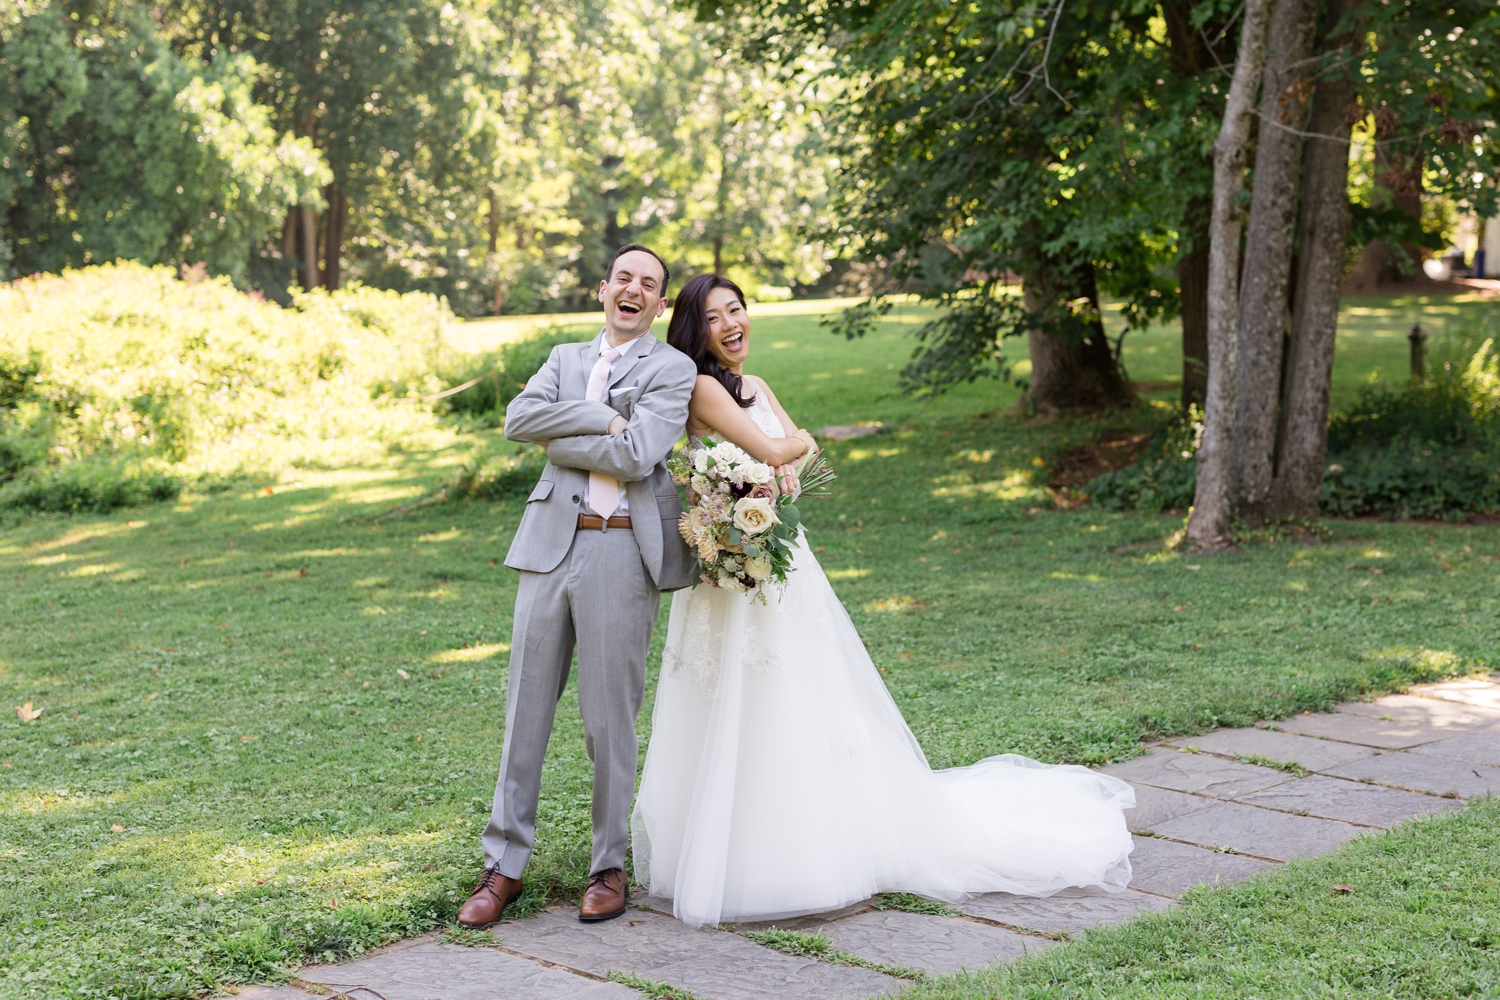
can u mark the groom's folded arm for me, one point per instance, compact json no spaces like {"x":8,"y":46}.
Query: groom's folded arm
{"x":656,"y":422}
{"x":537,"y":414}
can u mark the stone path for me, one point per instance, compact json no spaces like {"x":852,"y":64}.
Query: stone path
{"x":1210,"y":809}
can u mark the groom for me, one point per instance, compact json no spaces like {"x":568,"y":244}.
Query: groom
{"x":596,"y":547}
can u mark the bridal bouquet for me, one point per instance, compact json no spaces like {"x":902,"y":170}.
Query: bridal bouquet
{"x":742,"y":527}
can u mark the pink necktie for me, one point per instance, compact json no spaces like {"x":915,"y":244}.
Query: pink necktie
{"x":604,"y":491}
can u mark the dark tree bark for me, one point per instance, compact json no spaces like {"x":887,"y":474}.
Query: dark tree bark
{"x":1071,"y":375}
{"x":289,"y":237}
{"x":1265,"y":283}
{"x":1209,"y":523}
{"x":1192,"y":291}
{"x":334,"y":222}
{"x":1303,"y":435}
{"x":307,"y":248}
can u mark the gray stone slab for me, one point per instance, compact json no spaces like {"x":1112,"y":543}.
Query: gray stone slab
{"x":1196,"y":772}
{"x":1471,"y":748}
{"x":1170,"y":869}
{"x":1388,"y":734}
{"x":636,"y":942}
{"x":1309,"y":751}
{"x":1069,"y":911}
{"x":448,"y":972}
{"x":1450,"y":717}
{"x":1259,"y":832}
{"x":1157,"y":805}
{"x":938,"y":945}
{"x":805,"y":923}
{"x":1350,"y":801}
{"x":274,"y":993}
{"x":1421,"y":773}
{"x":711,"y":964}
{"x":1476,"y":692}
{"x":763,"y":973}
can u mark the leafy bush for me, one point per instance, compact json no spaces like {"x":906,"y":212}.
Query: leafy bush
{"x":1406,"y":479}
{"x":1427,"y":450}
{"x":502,"y":375}
{"x":128,"y":372}
{"x":1163,"y":479}
{"x":498,"y":477}
{"x":90,"y":485}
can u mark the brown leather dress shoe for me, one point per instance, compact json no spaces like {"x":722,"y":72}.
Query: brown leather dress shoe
{"x":605,"y":896}
{"x":489,"y":899}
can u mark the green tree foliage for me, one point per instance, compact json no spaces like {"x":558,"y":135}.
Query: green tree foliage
{"x":113,"y":147}
{"x":1057,"y":142}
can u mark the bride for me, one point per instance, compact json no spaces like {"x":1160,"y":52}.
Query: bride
{"x":781,"y":778}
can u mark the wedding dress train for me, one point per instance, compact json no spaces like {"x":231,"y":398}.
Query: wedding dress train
{"x":781,"y":778}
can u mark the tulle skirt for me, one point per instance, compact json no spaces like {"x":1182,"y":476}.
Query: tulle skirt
{"x":781,"y":778}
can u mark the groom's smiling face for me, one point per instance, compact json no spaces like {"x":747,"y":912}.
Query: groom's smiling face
{"x":632,"y":295}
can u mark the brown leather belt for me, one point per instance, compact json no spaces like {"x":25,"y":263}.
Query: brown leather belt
{"x":596,"y":523}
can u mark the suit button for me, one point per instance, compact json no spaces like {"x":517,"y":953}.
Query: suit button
{"x":575,"y":498}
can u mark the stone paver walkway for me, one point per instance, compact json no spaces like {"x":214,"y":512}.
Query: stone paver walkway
{"x":1209,"y":810}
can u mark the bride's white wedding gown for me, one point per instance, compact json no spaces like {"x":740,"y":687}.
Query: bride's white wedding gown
{"x":781,"y":778}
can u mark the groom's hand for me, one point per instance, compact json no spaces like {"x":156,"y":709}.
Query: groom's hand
{"x":618,"y":425}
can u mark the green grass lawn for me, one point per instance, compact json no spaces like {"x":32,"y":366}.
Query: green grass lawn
{"x":1422,"y":922}
{"x":271,"y":721}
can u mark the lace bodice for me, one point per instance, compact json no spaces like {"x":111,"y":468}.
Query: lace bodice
{"x":765,"y":418}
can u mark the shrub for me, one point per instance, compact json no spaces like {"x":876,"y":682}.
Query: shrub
{"x":498,"y":477}
{"x":1163,"y":479}
{"x":1407,"y":479}
{"x":126,"y":371}
{"x":1427,"y":450}
{"x":90,"y":485}
{"x":502,"y":375}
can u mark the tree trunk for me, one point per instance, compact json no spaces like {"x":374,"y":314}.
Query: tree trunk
{"x":1303,"y":438}
{"x":309,"y":247}
{"x":1071,"y":375}
{"x":1265,"y":281}
{"x":289,"y":239}
{"x":1192,"y":285}
{"x":1209,"y":524}
{"x":334,"y":220}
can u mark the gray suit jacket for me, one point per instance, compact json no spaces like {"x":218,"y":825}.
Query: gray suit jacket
{"x":651,"y":387}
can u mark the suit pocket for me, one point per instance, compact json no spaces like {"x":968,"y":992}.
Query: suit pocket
{"x":541,"y":491}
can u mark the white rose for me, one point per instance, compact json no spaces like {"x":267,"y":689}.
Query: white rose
{"x":700,"y":460}
{"x":754,"y":515}
{"x":757,"y":473}
{"x":724,"y":453}
{"x":758,"y":567}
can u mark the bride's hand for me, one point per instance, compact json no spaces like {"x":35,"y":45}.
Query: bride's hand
{"x":786,"y":479}
{"x":812,"y":446}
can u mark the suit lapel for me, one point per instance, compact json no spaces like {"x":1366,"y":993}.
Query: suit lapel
{"x":588,"y":354}
{"x":639,"y":350}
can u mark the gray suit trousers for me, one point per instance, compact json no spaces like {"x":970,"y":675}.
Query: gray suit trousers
{"x":601,"y":600}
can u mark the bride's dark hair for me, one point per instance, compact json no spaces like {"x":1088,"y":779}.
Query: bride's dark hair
{"x":688,"y":331}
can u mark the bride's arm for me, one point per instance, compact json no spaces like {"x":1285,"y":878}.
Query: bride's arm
{"x":792,"y":430}
{"x":713,"y":407}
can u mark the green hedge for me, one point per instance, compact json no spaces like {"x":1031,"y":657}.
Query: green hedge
{"x":121,"y":383}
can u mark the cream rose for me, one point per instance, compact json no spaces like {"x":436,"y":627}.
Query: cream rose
{"x":755,"y":515}
{"x":758,"y":567}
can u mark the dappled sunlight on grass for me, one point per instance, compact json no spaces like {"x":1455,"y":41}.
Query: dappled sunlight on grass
{"x":483,"y":651}
{"x":95,"y":569}
{"x":890,"y":605}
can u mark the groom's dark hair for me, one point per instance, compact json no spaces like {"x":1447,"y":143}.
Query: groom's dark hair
{"x":666,"y":275}
{"x":688,"y":331}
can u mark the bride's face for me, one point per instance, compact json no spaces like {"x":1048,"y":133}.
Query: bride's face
{"x":728,"y":328}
